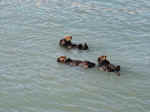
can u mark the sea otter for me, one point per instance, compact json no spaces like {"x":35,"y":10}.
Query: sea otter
{"x":105,"y":65}
{"x":68,"y":61}
{"x":66,"y":43}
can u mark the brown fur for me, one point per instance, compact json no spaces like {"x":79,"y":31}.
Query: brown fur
{"x":106,"y":66}
{"x":66,"y":42}
{"x":68,"y":61}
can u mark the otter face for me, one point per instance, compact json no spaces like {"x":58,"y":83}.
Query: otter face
{"x":61,"y":59}
{"x":68,"y":38}
{"x":102,"y":58}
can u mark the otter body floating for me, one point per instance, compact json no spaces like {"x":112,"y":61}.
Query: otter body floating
{"x":105,"y":65}
{"x":68,"y":61}
{"x":66,"y":43}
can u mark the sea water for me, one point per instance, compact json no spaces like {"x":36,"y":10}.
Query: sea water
{"x":32,"y":81}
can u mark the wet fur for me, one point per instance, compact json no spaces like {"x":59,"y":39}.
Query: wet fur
{"x":70,"y":45}
{"x":71,"y":62}
{"x":106,"y":66}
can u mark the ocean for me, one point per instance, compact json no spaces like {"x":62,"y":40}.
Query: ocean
{"x":32,"y":81}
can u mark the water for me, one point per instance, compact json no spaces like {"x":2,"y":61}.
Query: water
{"x":32,"y":81}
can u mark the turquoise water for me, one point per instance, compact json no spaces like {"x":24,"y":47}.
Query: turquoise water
{"x":32,"y":81}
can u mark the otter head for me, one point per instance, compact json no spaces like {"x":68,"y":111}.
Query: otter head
{"x":101,"y":58}
{"x":61,"y":59}
{"x":68,"y":38}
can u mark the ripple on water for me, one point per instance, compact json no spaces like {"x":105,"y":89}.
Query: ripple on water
{"x":32,"y":80}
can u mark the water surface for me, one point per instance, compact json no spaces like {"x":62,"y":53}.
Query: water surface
{"x":32,"y":81}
